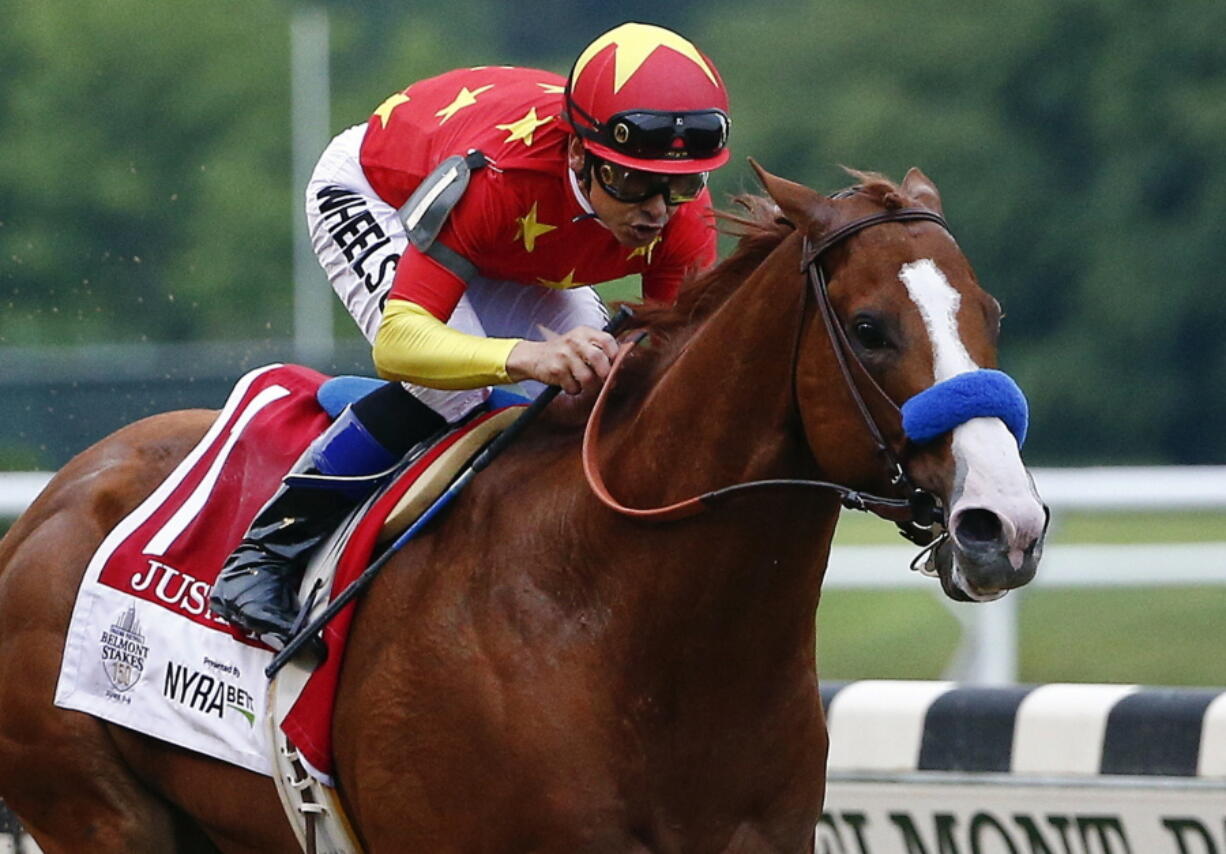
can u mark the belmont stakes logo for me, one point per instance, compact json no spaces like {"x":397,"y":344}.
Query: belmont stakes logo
{"x":124,"y":651}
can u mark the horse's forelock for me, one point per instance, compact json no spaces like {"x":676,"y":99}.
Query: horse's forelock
{"x":880,"y":189}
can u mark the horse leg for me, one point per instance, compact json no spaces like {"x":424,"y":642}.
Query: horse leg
{"x":97,"y":807}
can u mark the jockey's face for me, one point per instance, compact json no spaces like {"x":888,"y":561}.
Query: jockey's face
{"x":634,"y":224}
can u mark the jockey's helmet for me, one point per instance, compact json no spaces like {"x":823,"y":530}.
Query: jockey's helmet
{"x":644,"y":97}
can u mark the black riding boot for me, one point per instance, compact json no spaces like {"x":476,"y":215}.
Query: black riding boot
{"x":257,"y":587}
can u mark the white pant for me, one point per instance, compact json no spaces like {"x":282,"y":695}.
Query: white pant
{"x":358,"y":239}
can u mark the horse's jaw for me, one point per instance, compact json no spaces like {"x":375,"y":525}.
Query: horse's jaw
{"x":997,"y":523}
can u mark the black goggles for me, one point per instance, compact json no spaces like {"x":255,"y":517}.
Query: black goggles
{"x":666,"y":136}
{"x":635,"y":185}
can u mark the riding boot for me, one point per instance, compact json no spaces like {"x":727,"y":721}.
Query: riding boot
{"x":257,"y":587}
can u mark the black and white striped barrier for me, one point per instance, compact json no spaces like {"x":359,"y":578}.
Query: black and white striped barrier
{"x":934,"y":768}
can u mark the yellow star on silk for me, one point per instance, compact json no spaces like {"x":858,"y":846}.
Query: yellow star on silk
{"x":636,"y":42}
{"x":529,"y":229}
{"x":525,"y":127}
{"x":384,"y":110}
{"x":562,"y":284}
{"x":466,"y":98}
{"x":645,"y":251}
{"x":552,"y":88}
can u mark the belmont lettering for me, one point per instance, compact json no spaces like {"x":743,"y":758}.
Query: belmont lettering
{"x":915,"y":845}
{"x":1186,"y":830}
{"x":1107,"y":830}
{"x":1039,"y":843}
{"x":830,"y":840}
{"x":172,"y":587}
{"x":1100,"y":834}
{"x":985,"y":832}
{"x":123,"y":649}
{"x":979,"y":834}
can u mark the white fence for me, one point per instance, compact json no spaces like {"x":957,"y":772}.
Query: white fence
{"x":987,"y":653}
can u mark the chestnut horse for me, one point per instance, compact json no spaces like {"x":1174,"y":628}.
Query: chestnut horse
{"x":542,"y":673}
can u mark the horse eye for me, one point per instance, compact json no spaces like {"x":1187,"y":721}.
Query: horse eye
{"x":869,"y":334}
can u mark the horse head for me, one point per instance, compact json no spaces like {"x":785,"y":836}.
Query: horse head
{"x":917,"y":336}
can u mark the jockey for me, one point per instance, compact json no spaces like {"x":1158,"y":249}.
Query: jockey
{"x":462,"y":226}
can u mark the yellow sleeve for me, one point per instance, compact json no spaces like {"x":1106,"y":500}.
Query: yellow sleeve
{"x":414,"y":345}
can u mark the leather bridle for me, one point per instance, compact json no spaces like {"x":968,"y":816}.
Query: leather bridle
{"x":918,"y":515}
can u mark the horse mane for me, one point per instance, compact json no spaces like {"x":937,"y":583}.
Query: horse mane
{"x":760,"y":226}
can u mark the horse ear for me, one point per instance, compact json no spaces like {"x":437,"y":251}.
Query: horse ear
{"x":805,"y":208}
{"x":919,"y":186}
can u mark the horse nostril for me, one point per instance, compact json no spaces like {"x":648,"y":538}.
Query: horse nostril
{"x":977,"y":526}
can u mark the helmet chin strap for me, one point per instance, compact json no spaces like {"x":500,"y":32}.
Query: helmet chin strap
{"x":581,"y":185}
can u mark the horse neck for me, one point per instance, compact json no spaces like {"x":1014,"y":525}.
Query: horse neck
{"x":724,"y":412}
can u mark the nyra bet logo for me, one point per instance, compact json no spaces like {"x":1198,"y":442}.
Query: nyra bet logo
{"x":124,"y":651}
{"x":208,"y":693}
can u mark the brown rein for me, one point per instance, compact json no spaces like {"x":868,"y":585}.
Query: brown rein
{"x":915,"y":514}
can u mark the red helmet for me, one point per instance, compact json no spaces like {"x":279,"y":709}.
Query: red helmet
{"x":643,"y":96}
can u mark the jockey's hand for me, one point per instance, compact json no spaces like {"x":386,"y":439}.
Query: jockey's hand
{"x":576,"y":361}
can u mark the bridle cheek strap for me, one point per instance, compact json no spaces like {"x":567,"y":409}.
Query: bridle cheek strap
{"x":983,"y":393}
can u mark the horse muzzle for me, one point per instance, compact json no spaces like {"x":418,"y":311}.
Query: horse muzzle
{"x":988,"y":553}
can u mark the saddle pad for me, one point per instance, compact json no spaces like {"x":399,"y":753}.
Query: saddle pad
{"x":142,"y":649}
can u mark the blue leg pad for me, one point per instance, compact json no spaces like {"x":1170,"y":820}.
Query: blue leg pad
{"x":339,"y":392}
{"x":344,"y":458}
{"x":501,"y":398}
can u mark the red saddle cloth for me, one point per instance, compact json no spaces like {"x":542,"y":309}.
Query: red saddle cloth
{"x":171,"y":557}
{"x":169,"y":551}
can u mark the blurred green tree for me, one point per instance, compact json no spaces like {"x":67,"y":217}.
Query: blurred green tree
{"x":144,"y":167}
{"x":144,"y":171}
{"x":1078,"y":149}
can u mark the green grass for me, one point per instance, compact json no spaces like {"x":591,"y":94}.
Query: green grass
{"x":626,"y":289}
{"x":883,"y":635}
{"x":1146,"y":636}
{"x":1150,"y":636}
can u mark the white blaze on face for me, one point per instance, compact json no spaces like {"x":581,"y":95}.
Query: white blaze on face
{"x":989,"y":473}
